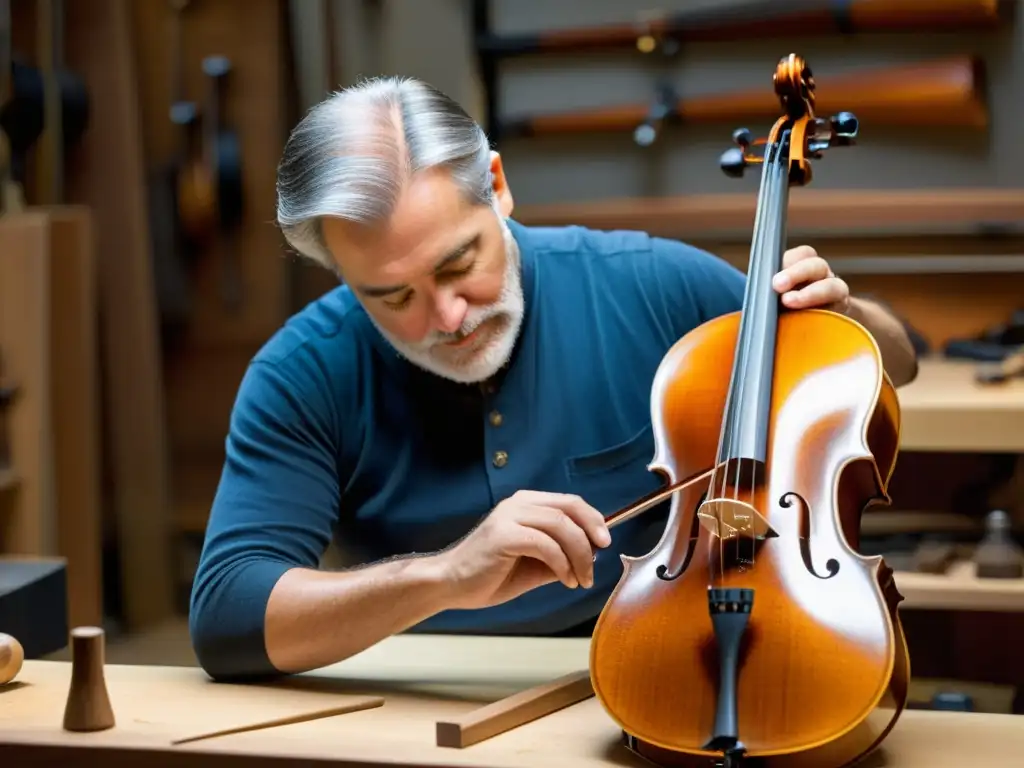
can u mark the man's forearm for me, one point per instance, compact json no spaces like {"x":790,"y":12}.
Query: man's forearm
{"x":898,"y":355}
{"x":315,"y":618}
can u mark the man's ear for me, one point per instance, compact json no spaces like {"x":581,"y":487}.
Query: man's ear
{"x":499,"y":183}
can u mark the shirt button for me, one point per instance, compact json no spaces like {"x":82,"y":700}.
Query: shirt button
{"x":496,"y":418}
{"x":500,"y":459}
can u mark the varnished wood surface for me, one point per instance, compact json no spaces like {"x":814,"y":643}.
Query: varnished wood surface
{"x":822,"y":617}
{"x":422,"y":679}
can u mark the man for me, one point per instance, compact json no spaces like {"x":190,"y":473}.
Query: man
{"x":462,"y":413}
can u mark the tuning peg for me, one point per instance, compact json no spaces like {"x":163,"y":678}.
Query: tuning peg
{"x":742,"y":137}
{"x":845,"y":124}
{"x":216,"y":66}
{"x":645,"y":134}
{"x":844,"y":128}
{"x":733,"y":162}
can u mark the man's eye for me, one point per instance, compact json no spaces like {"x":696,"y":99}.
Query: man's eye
{"x":400,"y":304}
{"x":460,"y":271}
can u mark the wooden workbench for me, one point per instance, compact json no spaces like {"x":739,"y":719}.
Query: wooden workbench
{"x":419,"y":679}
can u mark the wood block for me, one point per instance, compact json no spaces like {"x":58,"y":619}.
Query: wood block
{"x":516,"y":710}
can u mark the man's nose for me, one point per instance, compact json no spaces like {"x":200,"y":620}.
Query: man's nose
{"x":449,"y":311}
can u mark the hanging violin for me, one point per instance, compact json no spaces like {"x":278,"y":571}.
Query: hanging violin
{"x":754,"y":631}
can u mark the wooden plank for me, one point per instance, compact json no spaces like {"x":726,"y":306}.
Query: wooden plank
{"x":108,"y":175}
{"x":27,"y":515}
{"x":811,"y":211}
{"x":75,"y":404}
{"x":48,"y":338}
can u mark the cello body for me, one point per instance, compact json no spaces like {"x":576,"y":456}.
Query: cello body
{"x":754,"y":632}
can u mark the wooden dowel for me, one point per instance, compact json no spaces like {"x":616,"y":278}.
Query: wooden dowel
{"x":516,"y":710}
{"x":351,"y":704}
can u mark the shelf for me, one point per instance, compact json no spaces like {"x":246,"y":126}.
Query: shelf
{"x":959,"y":589}
{"x":833,"y":213}
{"x":944,"y":409}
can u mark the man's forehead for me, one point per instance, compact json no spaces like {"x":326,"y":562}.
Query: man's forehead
{"x":393,"y":255}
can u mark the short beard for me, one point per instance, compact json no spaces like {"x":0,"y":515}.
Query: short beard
{"x":484,"y":363}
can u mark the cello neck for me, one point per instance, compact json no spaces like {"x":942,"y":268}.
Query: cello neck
{"x":745,"y":421}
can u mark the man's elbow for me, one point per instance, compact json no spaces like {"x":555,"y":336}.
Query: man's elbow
{"x":227,"y":653}
{"x":226,"y":630}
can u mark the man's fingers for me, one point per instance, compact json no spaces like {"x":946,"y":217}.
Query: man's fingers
{"x":819,"y":294}
{"x":571,"y":538}
{"x":794,"y":255}
{"x":806,"y":271}
{"x":585,"y":516}
{"x":533,"y":542}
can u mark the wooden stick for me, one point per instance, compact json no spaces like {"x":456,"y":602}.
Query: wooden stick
{"x":516,"y":710}
{"x":353,"y":704}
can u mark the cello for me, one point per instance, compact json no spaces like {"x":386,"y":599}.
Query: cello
{"x":754,"y":633}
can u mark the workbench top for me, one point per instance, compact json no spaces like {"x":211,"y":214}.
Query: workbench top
{"x":400,"y":688}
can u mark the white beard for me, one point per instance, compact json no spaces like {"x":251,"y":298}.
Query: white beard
{"x":486,"y":357}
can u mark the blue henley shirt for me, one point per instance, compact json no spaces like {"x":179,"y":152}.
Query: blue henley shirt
{"x":334,"y":434}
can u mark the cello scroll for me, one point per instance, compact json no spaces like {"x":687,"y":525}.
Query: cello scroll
{"x":811,"y":135}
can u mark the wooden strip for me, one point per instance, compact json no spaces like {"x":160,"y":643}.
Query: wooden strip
{"x":516,"y":710}
{"x":833,"y":212}
{"x":350,"y":704}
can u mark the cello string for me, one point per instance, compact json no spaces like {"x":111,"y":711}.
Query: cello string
{"x":767,"y":267}
{"x":764,"y":223}
{"x":751,"y":300}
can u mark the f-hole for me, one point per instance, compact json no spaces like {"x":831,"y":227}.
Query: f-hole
{"x":662,"y":570}
{"x":831,"y":565}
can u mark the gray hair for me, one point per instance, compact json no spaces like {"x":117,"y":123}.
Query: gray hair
{"x":351,"y":154}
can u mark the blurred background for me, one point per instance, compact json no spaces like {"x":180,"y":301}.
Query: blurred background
{"x":140,"y":266}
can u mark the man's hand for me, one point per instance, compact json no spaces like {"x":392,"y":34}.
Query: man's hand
{"x":806,"y":281}
{"x":528,"y":540}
